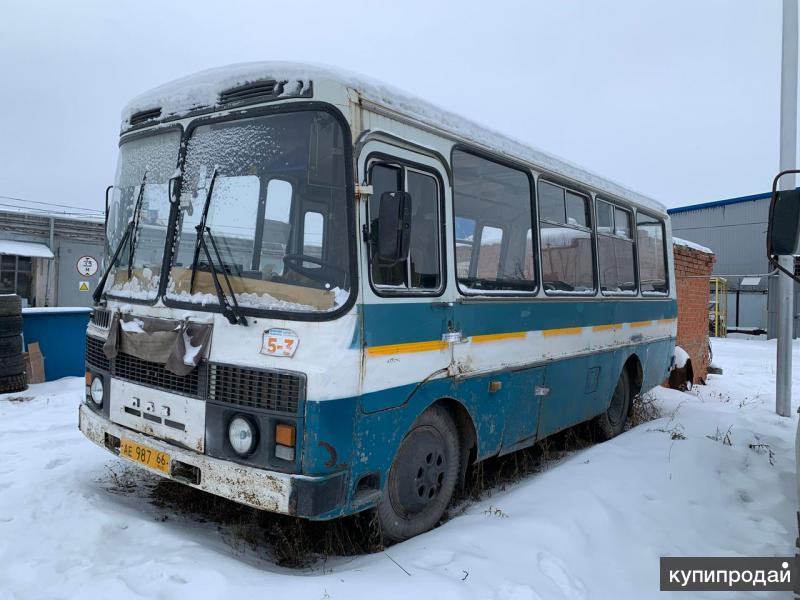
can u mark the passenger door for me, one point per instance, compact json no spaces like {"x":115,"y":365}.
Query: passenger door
{"x":406,"y":308}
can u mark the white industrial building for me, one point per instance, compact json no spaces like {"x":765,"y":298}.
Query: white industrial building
{"x":736,"y":229}
{"x":50,"y":259}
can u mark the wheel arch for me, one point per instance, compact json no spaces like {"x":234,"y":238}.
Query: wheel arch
{"x":467,"y":433}
{"x":633,"y":365}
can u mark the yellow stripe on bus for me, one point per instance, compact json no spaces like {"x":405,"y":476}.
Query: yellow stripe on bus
{"x":641,"y":323}
{"x":494,"y":337}
{"x":562,"y":331}
{"x":404,"y":348}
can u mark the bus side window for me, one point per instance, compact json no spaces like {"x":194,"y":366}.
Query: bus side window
{"x":565,"y":237}
{"x":424,"y":260}
{"x":492,"y":206}
{"x":615,"y":251}
{"x":465,"y":242}
{"x":489,"y":263}
{"x":652,"y":254}
{"x":422,"y":270}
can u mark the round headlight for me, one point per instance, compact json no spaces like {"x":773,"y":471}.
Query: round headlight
{"x":241,"y":436}
{"x":96,"y":391}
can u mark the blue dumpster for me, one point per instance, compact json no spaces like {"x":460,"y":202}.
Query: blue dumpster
{"x":61,"y":333}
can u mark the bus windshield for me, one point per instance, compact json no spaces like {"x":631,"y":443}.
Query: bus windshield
{"x":152,"y":160}
{"x":275,"y":217}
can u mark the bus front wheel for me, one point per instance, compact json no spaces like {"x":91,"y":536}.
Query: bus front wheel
{"x":422,"y":477}
{"x":612,"y":422}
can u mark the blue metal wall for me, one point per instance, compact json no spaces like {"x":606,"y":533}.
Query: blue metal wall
{"x":61,"y":333}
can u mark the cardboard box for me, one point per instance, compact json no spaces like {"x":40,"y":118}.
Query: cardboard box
{"x":34,"y":363}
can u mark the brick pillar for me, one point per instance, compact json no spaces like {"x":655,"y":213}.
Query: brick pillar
{"x":692,"y":271}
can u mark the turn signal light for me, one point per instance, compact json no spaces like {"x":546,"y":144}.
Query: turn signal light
{"x":285,"y":435}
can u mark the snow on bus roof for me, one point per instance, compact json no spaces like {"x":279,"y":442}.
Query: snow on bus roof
{"x":202,"y":89}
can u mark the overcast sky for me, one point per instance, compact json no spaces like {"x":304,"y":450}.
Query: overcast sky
{"x":677,"y":99}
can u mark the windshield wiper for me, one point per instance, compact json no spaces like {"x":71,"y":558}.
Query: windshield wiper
{"x":134,"y":225}
{"x":231,"y":311}
{"x":126,"y":237}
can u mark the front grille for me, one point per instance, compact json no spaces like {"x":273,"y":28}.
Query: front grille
{"x":101,"y":317}
{"x":278,"y":391}
{"x":95,"y":355}
{"x":156,"y":375}
{"x":253,"y":388}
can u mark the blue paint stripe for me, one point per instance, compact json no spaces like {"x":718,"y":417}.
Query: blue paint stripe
{"x":395,"y":323}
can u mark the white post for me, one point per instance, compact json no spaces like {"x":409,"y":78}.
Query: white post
{"x":783,"y":379}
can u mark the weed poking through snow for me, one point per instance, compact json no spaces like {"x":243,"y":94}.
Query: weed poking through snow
{"x":725,"y":438}
{"x":761,"y":448}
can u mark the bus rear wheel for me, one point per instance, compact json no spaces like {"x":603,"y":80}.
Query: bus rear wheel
{"x":422,"y":478}
{"x":612,"y":422}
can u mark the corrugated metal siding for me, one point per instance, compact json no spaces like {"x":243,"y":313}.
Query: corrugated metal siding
{"x":737,"y":235}
{"x":15,"y":225}
{"x":735,"y":232}
{"x":772,"y":317}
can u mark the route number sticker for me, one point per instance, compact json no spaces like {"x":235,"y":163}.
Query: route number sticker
{"x":279,"y":342}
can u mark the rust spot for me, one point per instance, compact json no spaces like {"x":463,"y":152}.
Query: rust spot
{"x":332,"y":451}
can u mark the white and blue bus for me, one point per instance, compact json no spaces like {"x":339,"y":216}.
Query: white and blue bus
{"x":323,"y":295}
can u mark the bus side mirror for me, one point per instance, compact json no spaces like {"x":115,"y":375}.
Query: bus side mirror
{"x":393,"y":227}
{"x":783,"y":235}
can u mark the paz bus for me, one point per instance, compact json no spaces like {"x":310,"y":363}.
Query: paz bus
{"x":323,"y":295}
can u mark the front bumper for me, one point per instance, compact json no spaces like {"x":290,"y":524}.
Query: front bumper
{"x":299,"y":495}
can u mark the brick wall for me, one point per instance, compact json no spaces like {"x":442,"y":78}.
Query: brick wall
{"x":693,"y":304}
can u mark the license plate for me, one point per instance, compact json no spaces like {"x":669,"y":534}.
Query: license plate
{"x":144,"y":455}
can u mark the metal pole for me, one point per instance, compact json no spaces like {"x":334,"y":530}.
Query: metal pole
{"x":783,"y":379}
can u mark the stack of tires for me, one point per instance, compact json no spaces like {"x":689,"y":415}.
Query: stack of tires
{"x":12,"y":363}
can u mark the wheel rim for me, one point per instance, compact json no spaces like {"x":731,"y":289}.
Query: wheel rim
{"x":419,"y":471}
{"x":618,"y":402}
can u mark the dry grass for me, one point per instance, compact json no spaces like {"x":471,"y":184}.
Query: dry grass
{"x":287,"y":541}
{"x":298,"y":543}
{"x":644,"y":409}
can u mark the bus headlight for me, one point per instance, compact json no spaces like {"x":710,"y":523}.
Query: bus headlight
{"x":96,"y":391}
{"x":242,"y":436}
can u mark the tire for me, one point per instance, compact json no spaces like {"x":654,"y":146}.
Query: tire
{"x":12,"y":365}
{"x":10,"y":345}
{"x":10,"y":305}
{"x":612,"y":422}
{"x":13,"y":383}
{"x":10,"y":326}
{"x":422,"y":478}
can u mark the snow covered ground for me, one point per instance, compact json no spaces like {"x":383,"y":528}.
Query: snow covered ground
{"x":714,"y":476}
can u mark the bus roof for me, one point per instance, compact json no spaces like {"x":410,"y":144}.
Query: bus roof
{"x":202,"y":90}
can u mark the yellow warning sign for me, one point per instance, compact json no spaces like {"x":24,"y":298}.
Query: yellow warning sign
{"x":83,"y":286}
